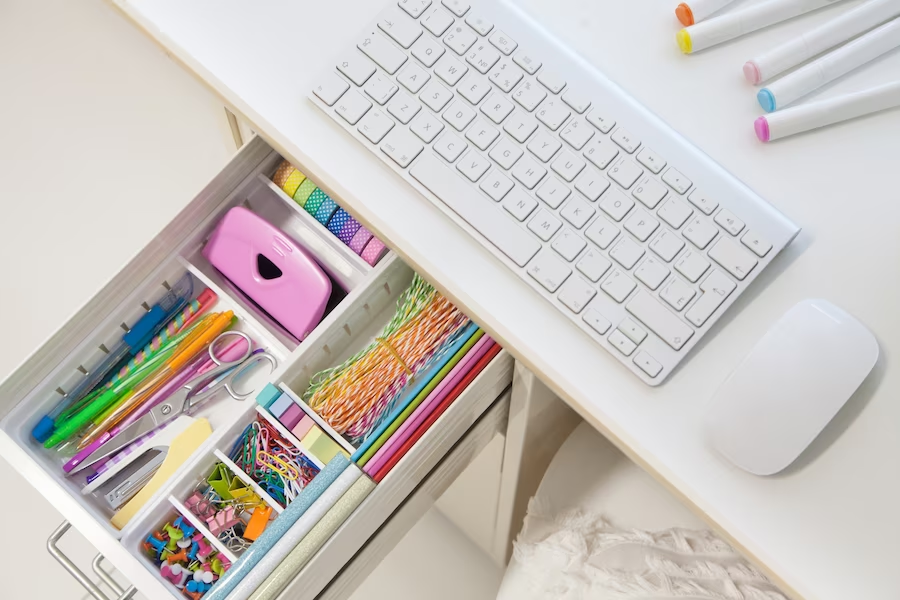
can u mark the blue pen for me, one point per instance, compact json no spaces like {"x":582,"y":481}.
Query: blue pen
{"x":132,"y":342}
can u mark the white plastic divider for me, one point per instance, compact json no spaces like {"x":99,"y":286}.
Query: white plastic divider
{"x":289,"y":436}
{"x":319,"y":420}
{"x":240,"y":474}
{"x":202,"y":528}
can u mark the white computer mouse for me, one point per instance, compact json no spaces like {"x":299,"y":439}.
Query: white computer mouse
{"x":790,"y":386}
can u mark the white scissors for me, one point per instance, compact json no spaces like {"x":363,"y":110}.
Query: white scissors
{"x":190,"y":396}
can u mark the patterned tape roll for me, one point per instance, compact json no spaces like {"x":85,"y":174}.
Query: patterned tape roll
{"x":373,"y":251}
{"x":360,"y":239}
{"x":314,"y":201}
{"x":326,"y":210}
{"x":281,"y":174}
{"x":293,"y":182}
{"x":302,"y":194}
{"x":343,"y":226}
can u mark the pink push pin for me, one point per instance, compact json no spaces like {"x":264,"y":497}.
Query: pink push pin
{"x":204,"y":548}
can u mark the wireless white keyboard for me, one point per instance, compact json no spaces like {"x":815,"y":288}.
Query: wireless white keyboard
{"x":621,"y":224}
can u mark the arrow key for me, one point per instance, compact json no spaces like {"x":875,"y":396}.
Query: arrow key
{"x":733,"y":258}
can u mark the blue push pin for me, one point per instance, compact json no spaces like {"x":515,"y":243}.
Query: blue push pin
{"x":192,"y":553}
{"x":158,"y":545}
{"x":181,"y":524}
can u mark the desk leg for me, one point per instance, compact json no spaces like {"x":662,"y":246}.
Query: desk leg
{"x":539,"y":422}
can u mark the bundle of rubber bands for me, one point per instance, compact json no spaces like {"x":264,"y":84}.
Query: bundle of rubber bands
{"x":356,"y":396}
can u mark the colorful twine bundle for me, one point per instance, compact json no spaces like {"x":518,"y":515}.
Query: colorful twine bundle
{"x":356,"y":395}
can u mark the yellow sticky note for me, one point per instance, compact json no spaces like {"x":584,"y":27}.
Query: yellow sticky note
{"x":322,"y":446}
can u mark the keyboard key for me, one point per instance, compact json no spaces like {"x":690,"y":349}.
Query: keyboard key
{"x":716,"y":288}
{"x":577,"y":133}
{"x":544,"y":225}
{"x":649,"y":311}
{"x":602,"y":232}
{"x":597,"y":321}
{"x":330,"y":88}
{"x":352,"y":106}
{"x":651,"y":160}
{"x":553,"y":192}
{"x":591,"y":184}
{"x":626,"y":140}
{"x":414,"y":7}
{"x":450,"y":70}
{"x":601,"y":151}
{"x":519,"y":245}
{"x":600,"y":121}
{"x":667,"y":245}
{"x":519,"y":204}
{"x":503,"y":43}
{"x":380,"y":88}
{"x":460,"y":39}
{"x":703,"y":202}
{"x":632,"y":331}
{"x":459,"y":115}
{"x":481,"y":134}
{"x":506,"y":153}
{"x":758,"y":244}
{"x":427,"y":50}
{"x":621,"y":342}
{"x":577,"y":212}
{"x":506,"y":75}
{"x":568,"y":244}
{"x":651,"y":272}
{"x":479,"y":23}
{"x":426,"y":126}
{"x":435,"y":96}
{"x":618,"y":285}
{"x":528,"y":172}
{"x":412,"y":77}
{"x":647,"y":364}
{"x":567,"y":165}
{"x":457,"y":7}
{"x":497,"y":108}
{"x":399,"y":27}
{"x":544,"y":146}
{"x":700,"y":233}
{"x":549,"y":271}
{"x":625,"y":172}
{"x":356,"y":67}
{"x":576,"y":293}
{"x":641,"y":225}
{"x":437,"y":21}
{"x":593,"y":265}
{"x":450,"y":147}
{"x":616,"y":204}
{"x":403,"y":107}
{"x":676,"y":181}
{"x":729,"y":222}
{"x":692,"y":265}
{"x":733,"y":258}
{"x":496,"y":185}
{"x":675,"y":213}
{"x":677,"y":293}
{"x":527,"y":62}
{"x":473,"y":166}
{"x":401,"y":146}
{"x":520,"y":126}
{"x":649,"y":191}
{"x":578,"y":102}
{"x":483,"y":56}
{"x":374,"y":125}
{"x":528,"y":95}
{"x":474,"y":89}
{"x":553,"y":113}
{"x":384,"y":53}
{"x":551,"y":81}
{"x":626,"y":252}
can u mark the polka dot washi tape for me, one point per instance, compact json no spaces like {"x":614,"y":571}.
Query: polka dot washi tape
{"x":373,"y":251}
{"x":293,"y":182}
{"x":343,"y":226}
{"x":302,"y":194}
{"x":281,"y":174}
{"x":326,"y":210}
{"x":360,"y":239}
{"x":315,"y":201}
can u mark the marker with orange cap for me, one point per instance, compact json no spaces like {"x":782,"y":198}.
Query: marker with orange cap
{"x":699,"y":10}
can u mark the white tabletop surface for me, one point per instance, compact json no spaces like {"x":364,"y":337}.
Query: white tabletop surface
{"x":827,"y":527}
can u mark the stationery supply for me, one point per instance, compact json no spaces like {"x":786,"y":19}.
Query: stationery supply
{"x":699,"y":10}
{"x":325,"y":210}
{"x":740,"y":22}
{"x":809,"y":116}
{"x":839,"y":62}
{"x":270,"y":268}
{"x":838,"y":30}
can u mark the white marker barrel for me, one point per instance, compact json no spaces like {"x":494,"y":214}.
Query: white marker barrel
{"x":848,"y":57}
{"x":827,"y":112}
{"x":836,"y":31}
{"x":735,"y":24}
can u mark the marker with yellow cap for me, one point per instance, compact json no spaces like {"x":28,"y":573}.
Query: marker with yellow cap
{"x":699,"y":10}
{"x":737,"y":23}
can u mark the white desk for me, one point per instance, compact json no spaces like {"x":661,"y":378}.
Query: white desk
{"x":826,"y":528}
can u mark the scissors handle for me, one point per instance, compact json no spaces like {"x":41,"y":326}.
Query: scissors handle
{"x":227,"y":378}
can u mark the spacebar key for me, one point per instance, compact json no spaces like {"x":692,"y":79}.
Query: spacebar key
{"x":657,"y":317}
{"x":499,"y":229}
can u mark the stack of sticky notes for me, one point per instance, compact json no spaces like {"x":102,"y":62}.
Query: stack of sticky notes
{"x":327,"y":212}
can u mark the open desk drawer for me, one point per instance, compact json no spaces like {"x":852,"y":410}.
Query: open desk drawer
{"x":362,"y":303}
